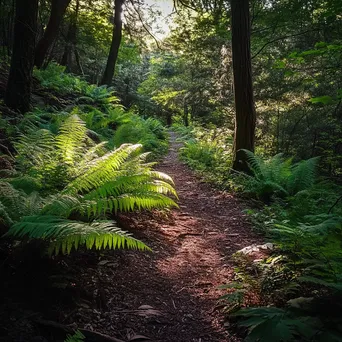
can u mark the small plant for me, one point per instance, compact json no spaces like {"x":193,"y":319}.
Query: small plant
{"x":207,"y":151}
{"x":101,"y":96}
{"x":77,"y":337}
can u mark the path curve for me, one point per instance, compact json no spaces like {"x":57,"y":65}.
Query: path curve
{"x":171,"y":295}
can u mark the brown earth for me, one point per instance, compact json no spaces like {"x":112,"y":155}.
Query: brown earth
{"x":168,"y":295}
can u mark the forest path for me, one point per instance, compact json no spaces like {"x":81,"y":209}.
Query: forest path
{"x":170,"y":294}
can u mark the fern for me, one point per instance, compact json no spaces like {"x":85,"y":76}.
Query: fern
{"x":71,"y":139}
{"x":272,"y":324}
{"x":77,"y":337}
{"x":67,"y":234}
{"x":278,"y":176}
{"x":88,"y":182}
{"x":302,"y":175}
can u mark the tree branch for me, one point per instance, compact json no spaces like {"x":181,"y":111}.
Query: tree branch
{"x":281,"y":38}
{"x":144,"y":25}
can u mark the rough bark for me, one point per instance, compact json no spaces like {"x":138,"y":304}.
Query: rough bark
{"x":18,"y":92}
{"x":71,"y":40}
{"x":116,"y":41}
{"x":245,"y":115}
{"x":58,"y":8}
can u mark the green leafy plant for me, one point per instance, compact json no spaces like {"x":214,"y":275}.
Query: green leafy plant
{"x":208,"y":152}
{"x":278,"y":176}
{"x":80,"y":184}
{"x":277,"y":325}
{"x":54,"y":77}
{"x":149,"y":133}
{"x":76,"y":337}
{"x":103,"y":96}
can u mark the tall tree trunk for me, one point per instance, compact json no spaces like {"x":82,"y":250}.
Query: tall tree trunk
{"x":71,"y":40}
{"x":58,"y":8}
{"x":245,"y":115}
{"x":116,"y":41}
{"x":18,"y":92}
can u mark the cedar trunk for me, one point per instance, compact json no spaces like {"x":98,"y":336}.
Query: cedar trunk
{"x":116,"y":41}
{"x":58,"y":8}
{"x":18,"y":92}
{"x":245,"y":115}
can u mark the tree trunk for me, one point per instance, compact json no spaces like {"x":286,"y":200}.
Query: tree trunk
{"x":58,"y":8}
{"x":245,"y":115}
{"x":116,"y":40}
{"x":18,"y":92}
{"x":71,"y":40}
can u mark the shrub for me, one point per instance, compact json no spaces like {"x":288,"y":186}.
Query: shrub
{"x":54,"y":77}
{"x":149,"y":133}
{"x":207,"y":151}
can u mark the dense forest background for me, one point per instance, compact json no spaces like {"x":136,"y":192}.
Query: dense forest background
{"x":252,"y":89}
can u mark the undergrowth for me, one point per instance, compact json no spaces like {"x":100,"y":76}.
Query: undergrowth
{"x":300,"y":213}
{"x":206,"y":151}
{"x":74,"y":170}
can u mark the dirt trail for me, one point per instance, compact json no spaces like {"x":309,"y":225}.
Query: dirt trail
{"x":177,"y":283}
{"x":169,"y":295}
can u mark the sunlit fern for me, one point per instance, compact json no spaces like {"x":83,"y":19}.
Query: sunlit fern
{"x":88,"y":182}
{"x":64,"y":235}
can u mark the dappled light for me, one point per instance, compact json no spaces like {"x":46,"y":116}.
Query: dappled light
{"x":170,"y":171}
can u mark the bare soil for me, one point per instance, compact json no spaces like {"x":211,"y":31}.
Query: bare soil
{"x":168,"y":295}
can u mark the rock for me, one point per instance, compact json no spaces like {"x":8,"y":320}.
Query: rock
{"x":256,"y":248}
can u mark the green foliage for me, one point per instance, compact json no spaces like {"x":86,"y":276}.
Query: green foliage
{"x":69,"y":234}
{"x":75,"y":184}
{"x":277,"y":176}
{"x":77,"y":337}
{"x":102,"y":96}
{"x":207,"y":151}
{"x":149,"y":132}
{"x":308,"y":254}
{"x":279,"y":325}
{"x":55,"y":78}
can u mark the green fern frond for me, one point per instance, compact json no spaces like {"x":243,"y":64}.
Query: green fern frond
{"x":101,"y":169}
{"x":34,"y":147}
{"x":129,"y":202}
{"x":70,"y":139}
{"x":13,"y":200}
{"x":66,"y":234}
{"x":61,"y":204}
{"x":302,"y":175}
{"x":26,"y":183}
{"x":77,"y":337}
{"x":254,"y":163}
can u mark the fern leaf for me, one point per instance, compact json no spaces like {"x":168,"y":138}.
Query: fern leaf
{"x":66,"y":234}
{"x":101,"y":170}
{"x":70,"y":139}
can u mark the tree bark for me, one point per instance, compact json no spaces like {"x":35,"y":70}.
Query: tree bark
{"x":18,"y":92}
{"x":245,"y":115}
{"x":116,"y":41}
{"x":58,"y":8}
{"x":71,"y":40}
